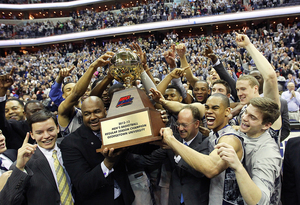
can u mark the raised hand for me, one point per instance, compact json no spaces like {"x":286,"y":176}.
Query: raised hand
{"x":7,"y":80}
{"x":167,"y":134}
{"x":139,"y":52}
{"x":156,"y":95}
{"x":102,"y":60}
{"x":180,"y":49}
{"x":170,"y":56}
{"x":65,"y":72}
{"x":25,"y":153}
{"x":242,"y":40}
{"x":178,"y":72}
{"x":210,"y":54}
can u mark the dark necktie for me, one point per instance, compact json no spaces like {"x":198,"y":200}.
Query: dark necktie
{"x":2,"y":167}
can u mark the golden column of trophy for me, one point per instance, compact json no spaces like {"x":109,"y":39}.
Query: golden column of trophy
{"x":132,"y":118}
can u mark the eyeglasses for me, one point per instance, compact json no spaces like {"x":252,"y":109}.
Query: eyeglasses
{"x":183,"y":124}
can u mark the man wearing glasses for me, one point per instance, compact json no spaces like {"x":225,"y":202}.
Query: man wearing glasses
{"x":223,"y":185}
{"x":187,"y":185}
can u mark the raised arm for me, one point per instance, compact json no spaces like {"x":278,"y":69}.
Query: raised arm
{"x":266,"y":70}
{"x":173,"y":106}
{"x":218,"y":66}
{"x":66,"y":108}
{"x":181,"y":50}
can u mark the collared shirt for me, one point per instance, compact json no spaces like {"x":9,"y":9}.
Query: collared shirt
{"x":6,"y":162}
{"x":48,"y":154}
{"x":294,"y":103}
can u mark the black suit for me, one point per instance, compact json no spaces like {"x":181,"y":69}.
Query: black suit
{"x":83,"y":164}
{"x":192,"y":184}
{"x":291,"y":173}
{"x":35,"y":188}
{"x":13,"y":130}
{"x":10,"y":154}
{"x":286,"y":127}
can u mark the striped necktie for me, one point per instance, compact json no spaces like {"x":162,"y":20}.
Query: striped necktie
{"x":63,"y":186}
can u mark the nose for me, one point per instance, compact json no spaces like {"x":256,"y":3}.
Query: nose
{"x":10,"y":111}
{"x":2,"y":137}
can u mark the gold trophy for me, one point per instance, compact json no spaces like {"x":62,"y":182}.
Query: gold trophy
{"x":132,"y":118}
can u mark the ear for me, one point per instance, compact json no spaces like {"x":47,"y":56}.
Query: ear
{"x":209,"y":91}
{"x":57,"y":129}
{"x":180,"y":99}
{"x":227,"y":111}
{"x":267,"y":126}
{"x":256,"y":88}
{"x":31,"y":135}
{"x":228,"y":95}
{"x":197,"y":123}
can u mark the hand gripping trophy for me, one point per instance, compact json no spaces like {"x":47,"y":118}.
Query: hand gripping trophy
{"x":132,"y":118}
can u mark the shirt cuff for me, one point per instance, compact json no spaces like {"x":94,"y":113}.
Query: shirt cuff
{"x":105,"y":170}
{"x":177,"y":158}
{"x":2,"y":99}
{"x":217,"y":63}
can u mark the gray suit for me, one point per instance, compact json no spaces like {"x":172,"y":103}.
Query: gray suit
{"x":35,"y":188}
{"x":184,"y":180}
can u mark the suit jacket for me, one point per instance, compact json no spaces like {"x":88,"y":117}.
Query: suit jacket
{"x":83,"y":164}
{"x":286,"y":128}
{"x":291,"y":170}
{"x":35,"y":188}
{"x":192,"y":184}
{"x":10,"y":154}
{"x":13,"y":130}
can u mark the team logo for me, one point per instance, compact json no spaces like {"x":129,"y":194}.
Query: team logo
{"x":126,"y":100}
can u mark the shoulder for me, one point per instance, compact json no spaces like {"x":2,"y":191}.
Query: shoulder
{"x":293,"y":142}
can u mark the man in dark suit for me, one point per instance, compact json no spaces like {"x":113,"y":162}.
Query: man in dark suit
{"x":187,"y":185}
{"x":96,"y":178}
{"x":34,"y":179}
{"x":15,"y":130}
{"x":7,"y":156}
{"x":291,"y":170}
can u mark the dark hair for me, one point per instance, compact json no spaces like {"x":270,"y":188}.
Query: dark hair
{"x":203,"y":81}
{"x":16,"y":99}
{"x":176,"y":88}
{"x":114,"y":88}
{"x":194,"y":110}
{"x":95,"y":83}
{"x":33,"y":101}
{"x":223,"y":82}
{"x":63,"y":87}
{"x":268,"y":107}
{"x":224,"y":98}
{"x":41,"y":116}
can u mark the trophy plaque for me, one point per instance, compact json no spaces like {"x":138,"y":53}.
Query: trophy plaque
{"x":132,"y":118}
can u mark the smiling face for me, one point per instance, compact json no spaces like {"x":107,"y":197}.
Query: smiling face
{"x":13,"y":110}
{"x":45,"y":133}
{"x":216,"y":113}
{"x":93,"y":110}
{"x":245,"y":92}
{"x":188,"y":125}
{"x":201,"y":91}
{"x":252,"y":122}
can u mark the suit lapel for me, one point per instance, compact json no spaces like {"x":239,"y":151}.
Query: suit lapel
{"x":91,"y":139}
{"x":42,"y":164}
{"x":197,"y":141}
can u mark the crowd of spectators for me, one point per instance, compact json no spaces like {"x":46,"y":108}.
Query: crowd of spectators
{"x":86,"y":20}
{"x":36,"y":72}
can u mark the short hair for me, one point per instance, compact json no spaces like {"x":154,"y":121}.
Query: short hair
{"x":115,"y":87}
{"x":268,"y":107}
{"x":21,"y":102}
{"x":194,"y":110}
{"x":203,"y":81}
{"x":223,"y":82}
{"x":174,"y":87}
{"x":41,"y":116}
{"x":95,"y":83}
{"x":224,"y":99}
{"x":252,"y":81}
{"x":63,"y":87}
{"x":33,"y":101}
